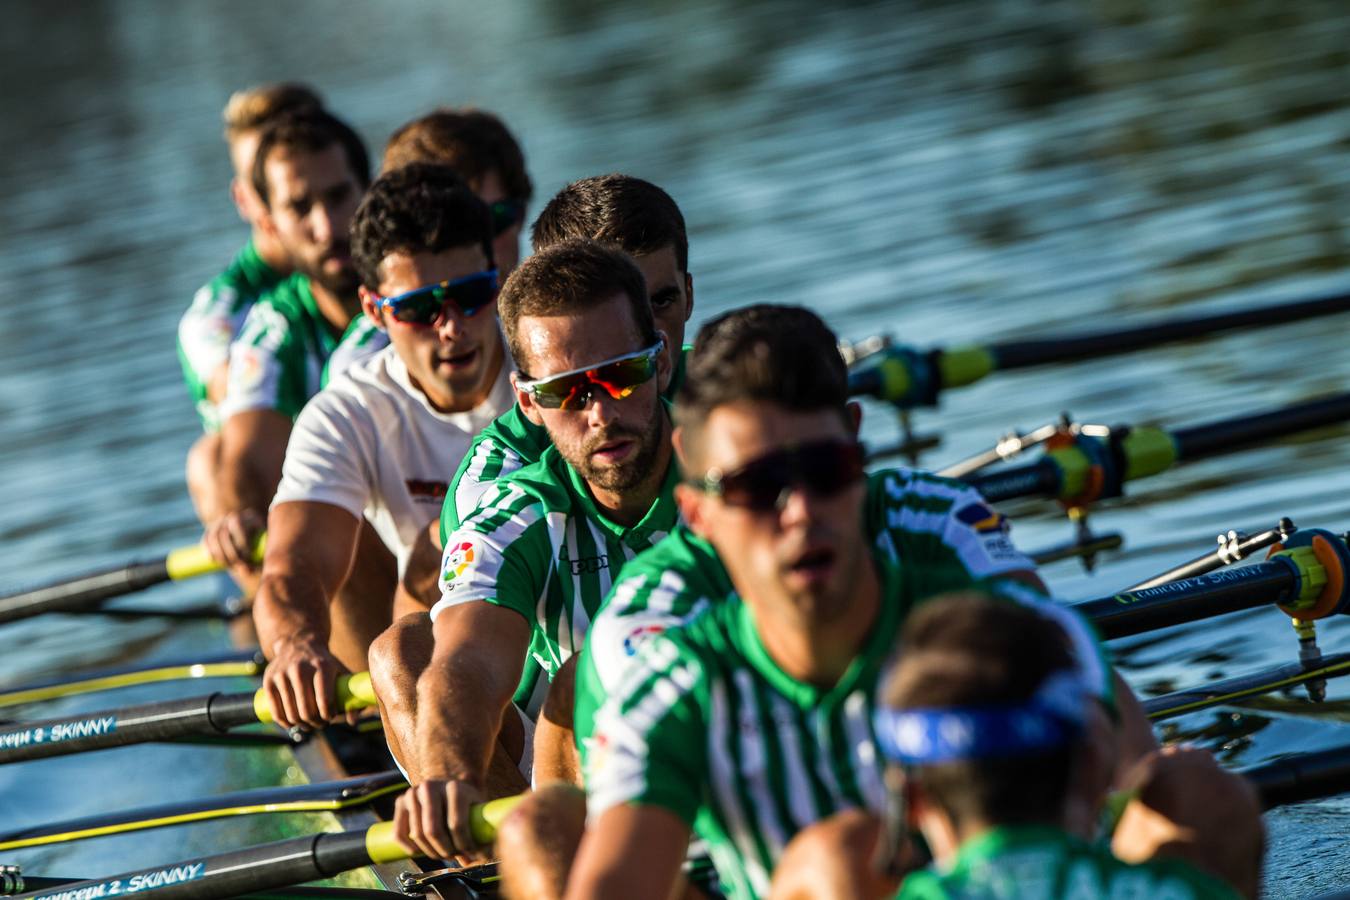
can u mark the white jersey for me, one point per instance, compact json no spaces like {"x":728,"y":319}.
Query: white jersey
{"x":372,"y":444}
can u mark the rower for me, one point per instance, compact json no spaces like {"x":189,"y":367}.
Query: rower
{"x":309,"y":171}
{"x":219,"y":307}
{"x":1000,"y":756}
{"x":749,"y":720}
{"x":642,"y":220}
{"x":480,"y":149}
{"x":382,"y":439}
{"x":528,"y":567}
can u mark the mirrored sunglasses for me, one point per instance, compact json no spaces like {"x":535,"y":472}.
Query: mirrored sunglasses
{"x":618,"y":378}
{"x":426,"y":305}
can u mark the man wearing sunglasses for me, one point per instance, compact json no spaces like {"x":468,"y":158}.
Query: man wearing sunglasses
{"x":642,"y":220}
{"x":749,"y":720}
{"x":309,"y":171}
{"x":480,"y":149}
{"x":381,"y":440}
{"x":527,"y":568}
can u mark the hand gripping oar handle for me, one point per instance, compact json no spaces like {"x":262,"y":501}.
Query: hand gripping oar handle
{"x":270,"y":865}
{"x":86,"y":591}
{"x":215,"y":713}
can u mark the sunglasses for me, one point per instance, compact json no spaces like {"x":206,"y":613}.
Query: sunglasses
{"x":823,"y":468}
{"x":505,"y":214}
{"x":426,"y":305}
{"x":617,"y":377}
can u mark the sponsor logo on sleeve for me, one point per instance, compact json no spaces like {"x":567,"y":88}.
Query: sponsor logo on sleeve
{"x":991,"y":530}
{"x":459,"y":558}
{"x":639,"y":635}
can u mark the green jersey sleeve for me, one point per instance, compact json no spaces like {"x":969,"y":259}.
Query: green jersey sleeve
{"x":501,"y":553}
{"x":648,"y":742}
{"x":509,"y":442}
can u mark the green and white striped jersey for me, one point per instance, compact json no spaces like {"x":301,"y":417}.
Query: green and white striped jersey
{"x":510,"y":442}
{"x":213,"y":320}
{"x":696,"y":717}
{"x":1048,"y":864}
{"x":536,"y":544}
{"x":362,"y":340}
{"x":277,"y":360}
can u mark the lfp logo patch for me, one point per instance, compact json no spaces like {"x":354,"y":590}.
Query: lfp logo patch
{"x":457,"y":559}
{"x":639,"y":635}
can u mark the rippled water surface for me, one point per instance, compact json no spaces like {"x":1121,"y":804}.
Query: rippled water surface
{"x":944,"y":172}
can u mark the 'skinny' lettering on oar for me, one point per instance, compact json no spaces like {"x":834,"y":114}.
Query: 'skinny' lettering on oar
{"x":145,"y":881}
{"x":85,"y":728}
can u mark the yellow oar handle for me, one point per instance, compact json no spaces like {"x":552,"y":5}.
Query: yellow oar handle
{"x":354,"y":692}
{"x":189,"y":562}
{"x":483,"y":821}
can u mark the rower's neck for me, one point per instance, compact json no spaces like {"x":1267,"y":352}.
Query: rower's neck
{"x":816,"y":648}
{"x":272,"y":253}
{"x":336,"y":311}
{"x":627,"y":507}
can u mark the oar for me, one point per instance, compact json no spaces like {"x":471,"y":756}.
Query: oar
{"x":87,"y":591}
{"x":1240,"y":687}
{"x":1091,"y":467}
{"x":241,"y":663}
{"x":1302,"y":776}
{"x":908,"y":377}
{"x":1308,"y":578}
{"x":271,"y":865}
{"x":214,"y":713}
{"x":326,"y":796}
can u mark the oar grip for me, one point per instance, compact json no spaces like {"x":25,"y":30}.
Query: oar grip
{"x":189,"y":562}
{"x":353,"y":692}
{"x":484,"y":818}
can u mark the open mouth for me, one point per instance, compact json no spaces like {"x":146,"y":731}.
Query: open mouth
{"x":613,"y":451}
{"x":813,"y":565}
{"x":458,"y":360}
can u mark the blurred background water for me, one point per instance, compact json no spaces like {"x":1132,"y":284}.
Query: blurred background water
{"x":941,"y":171}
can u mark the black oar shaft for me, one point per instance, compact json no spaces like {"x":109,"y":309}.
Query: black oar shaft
{"x":1134,"y":612}
{"x":1243,"y":431}
{"x":1305,"y":776}
{"x":132,"y":725}
{"x":83,"y":592}
{"x":228,"y":874}
{"x":1041,"y":478}
{"x":1069,"y":348}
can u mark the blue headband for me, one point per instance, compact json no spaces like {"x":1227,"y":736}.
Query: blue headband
{"x":1052,"y":717}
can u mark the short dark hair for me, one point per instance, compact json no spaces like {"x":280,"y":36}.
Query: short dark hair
{"x":309,"y":131}
{"x":570,"y":277}
{"x":252,"y":108}
{"x":763,"y":353}
{"x":970,"y":650}
{"x":634,"y":215}
{"x":473,"y":142}
{"x":420,"y":208}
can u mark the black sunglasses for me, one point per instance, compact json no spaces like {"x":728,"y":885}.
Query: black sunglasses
{"x":505,"y":214}
{"x":823,"y":468}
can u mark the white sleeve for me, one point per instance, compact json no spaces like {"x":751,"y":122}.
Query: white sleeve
{"x":327,"y":458}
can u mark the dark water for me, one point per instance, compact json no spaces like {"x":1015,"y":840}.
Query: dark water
{"x":941,"y":171}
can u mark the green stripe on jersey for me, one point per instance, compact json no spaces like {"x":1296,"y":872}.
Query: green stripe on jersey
{"x":679,"y":705}
{"x":508,"y":443}
{"x":277,"y":361}
{"x":1032,"y":861}
{"x":213,"y":321}
{"x":537,"y":544}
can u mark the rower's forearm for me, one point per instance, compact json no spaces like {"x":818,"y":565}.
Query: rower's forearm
{"x":290,"y":609}
{"x":459,"y":714}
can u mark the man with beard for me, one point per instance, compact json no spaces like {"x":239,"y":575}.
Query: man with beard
{"x":309,"y":171}
{"x":481,"y":150}
{"x":381,"y":440}
{"x":218,"y":309}
{"x":726,"y":688}
{"x":530,"y":565}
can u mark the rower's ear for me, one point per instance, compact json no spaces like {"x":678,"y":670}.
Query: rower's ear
{"x":370,"y":305}
{"x":855,"y":413}
{"x":690,"y":500}
{"x":525,"y":401}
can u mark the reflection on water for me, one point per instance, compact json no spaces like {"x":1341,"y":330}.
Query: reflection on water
{"x":941,"y":171}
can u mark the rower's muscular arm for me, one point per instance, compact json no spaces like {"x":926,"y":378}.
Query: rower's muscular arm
{"x":630,"y":851}
{"x":252,"y":448}
{"x":419,"y":588}
{"x":301,"y":575}
{"x":479,"y":652}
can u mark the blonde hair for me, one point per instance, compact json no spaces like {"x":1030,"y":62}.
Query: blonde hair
{"x":252,"y":108}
